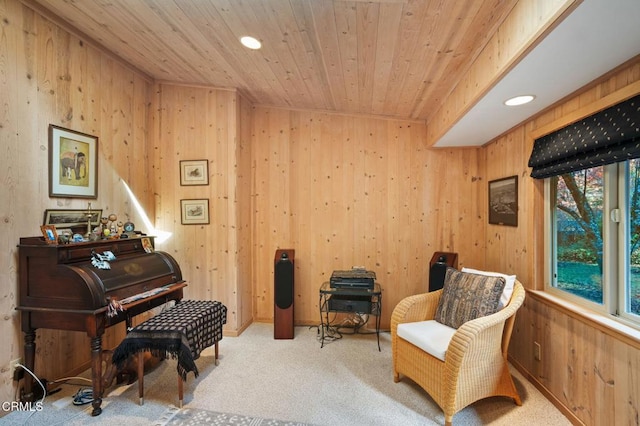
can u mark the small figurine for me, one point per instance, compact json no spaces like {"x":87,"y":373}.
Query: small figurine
{"x":101,"y":261}
{"x":112,"y":226}
{"x":103,"y":225}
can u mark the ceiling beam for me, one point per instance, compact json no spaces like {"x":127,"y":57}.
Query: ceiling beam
{"x":527,"y":24}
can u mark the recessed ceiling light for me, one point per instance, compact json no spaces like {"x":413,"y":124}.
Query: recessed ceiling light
{"x":250,"y":42}
{"x":519,"y":100}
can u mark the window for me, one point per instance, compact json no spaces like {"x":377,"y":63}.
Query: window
{"x":594,"y":240}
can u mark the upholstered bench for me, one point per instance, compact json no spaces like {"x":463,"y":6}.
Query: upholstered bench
{"x":181,"y":332}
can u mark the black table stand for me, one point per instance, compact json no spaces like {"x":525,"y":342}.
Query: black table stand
{"x":355,"y":300}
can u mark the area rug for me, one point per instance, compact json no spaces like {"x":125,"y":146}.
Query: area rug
{"x":194,"y":416}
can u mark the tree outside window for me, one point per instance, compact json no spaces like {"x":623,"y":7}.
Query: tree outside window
{"x":579,"y":248}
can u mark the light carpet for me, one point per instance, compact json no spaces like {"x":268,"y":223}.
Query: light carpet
{"x":347,"y":382}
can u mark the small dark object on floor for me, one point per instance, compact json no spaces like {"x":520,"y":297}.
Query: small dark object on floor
{"x":129,"y":372}
{"x":83,"y":396}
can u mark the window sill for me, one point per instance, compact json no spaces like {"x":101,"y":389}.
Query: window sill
{"x":606,"y":324}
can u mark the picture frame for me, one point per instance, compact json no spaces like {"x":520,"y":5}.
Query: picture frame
{"x":50,"y":234}
{"x":73,"y":163}
{"x":195,"y":211}
{"x":503,"y":201}
{"x":69,"y":218}
{"x":194,"y":172}
{"x":147,"y":245}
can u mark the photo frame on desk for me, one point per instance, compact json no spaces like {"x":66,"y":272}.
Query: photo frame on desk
{"x":50,"y":234}
{"x":73,"y":163}
{"x":503,"y":201}
{"x":194,"y":172}
{"x":146,"y":244}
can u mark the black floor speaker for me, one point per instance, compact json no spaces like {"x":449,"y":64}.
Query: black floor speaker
{"x":440,"y":261}
{"x":283,"y":294}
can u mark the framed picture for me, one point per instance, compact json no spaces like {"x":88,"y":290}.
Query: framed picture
{"x":503,"y":201}
{"x":194,"y":172}
{"x":72,"y":218}
{"x":146,"y":244}
{"x":50,"y":234}
{"x":195,"y":212}
{"x":73,"y":163}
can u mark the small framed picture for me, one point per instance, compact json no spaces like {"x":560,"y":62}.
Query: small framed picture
{"x":195,"y":212}
{"x":146,"y":244}
{"x":194,"y":172}
{"x":73,"y":163}
{"x":50,"y":234}
{"x":503,"y":201}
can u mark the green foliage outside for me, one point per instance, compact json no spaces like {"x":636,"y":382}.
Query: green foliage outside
{"x":585,"y":280}
{"x":579,"y":215}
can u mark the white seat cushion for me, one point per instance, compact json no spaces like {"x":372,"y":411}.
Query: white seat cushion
{"x":430,"y":336}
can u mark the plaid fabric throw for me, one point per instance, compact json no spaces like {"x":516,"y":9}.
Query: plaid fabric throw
{"x":182,"y":332}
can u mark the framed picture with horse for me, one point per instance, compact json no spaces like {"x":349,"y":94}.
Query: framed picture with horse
{"x":73,"y":163}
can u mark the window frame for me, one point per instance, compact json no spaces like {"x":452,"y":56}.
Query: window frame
{"x":624,"y":245}
{"x":616,"y":285}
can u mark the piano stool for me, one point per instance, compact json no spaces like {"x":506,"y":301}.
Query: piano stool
{"x":181,"y":332}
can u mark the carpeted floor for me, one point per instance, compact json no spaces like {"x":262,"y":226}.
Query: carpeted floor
{"x":295,"y":381}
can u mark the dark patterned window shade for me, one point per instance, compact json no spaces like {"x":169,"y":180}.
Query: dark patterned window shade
{"x":610,"y":136}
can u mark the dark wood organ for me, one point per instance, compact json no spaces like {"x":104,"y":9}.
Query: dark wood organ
{"x":60,"y":288}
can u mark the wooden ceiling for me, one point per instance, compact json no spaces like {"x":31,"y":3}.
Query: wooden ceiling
{"x":395,"y":58}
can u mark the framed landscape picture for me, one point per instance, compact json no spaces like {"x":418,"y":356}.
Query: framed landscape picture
{"x":71,"y":218}
{"x":503,"y":201}
{"x":194,"y":212}
{"x":73,"y":163}
{"x":194,"y":172}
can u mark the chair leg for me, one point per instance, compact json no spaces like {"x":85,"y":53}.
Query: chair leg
{"x":508,"y":378}
{"x":517,"y":400}
{"x":141,"y":377}
{"x":448,"y":420}
{"x":216,"y":353}
{"x":180,"y":391}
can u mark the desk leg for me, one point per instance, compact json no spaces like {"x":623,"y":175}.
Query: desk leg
{"x":96,"y":374}
{"x":29,"y":361}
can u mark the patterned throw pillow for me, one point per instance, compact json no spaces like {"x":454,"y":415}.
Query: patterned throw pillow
{"x":467,"y":296}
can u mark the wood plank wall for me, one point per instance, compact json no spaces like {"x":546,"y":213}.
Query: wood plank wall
{"x":202,"y":123}
{"x":48,"y":76}
{"x":346,"y":190}
{"x":244,"y":214}
{"x":590,"y":371}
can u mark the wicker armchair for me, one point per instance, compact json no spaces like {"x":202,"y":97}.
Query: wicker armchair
{"x":475,"y":365}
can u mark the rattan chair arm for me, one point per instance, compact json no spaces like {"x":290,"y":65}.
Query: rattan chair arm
{"x":419,"y":307}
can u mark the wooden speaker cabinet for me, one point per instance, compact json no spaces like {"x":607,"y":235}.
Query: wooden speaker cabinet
{"x":283,"y":294}
{"x":438,"y":268}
